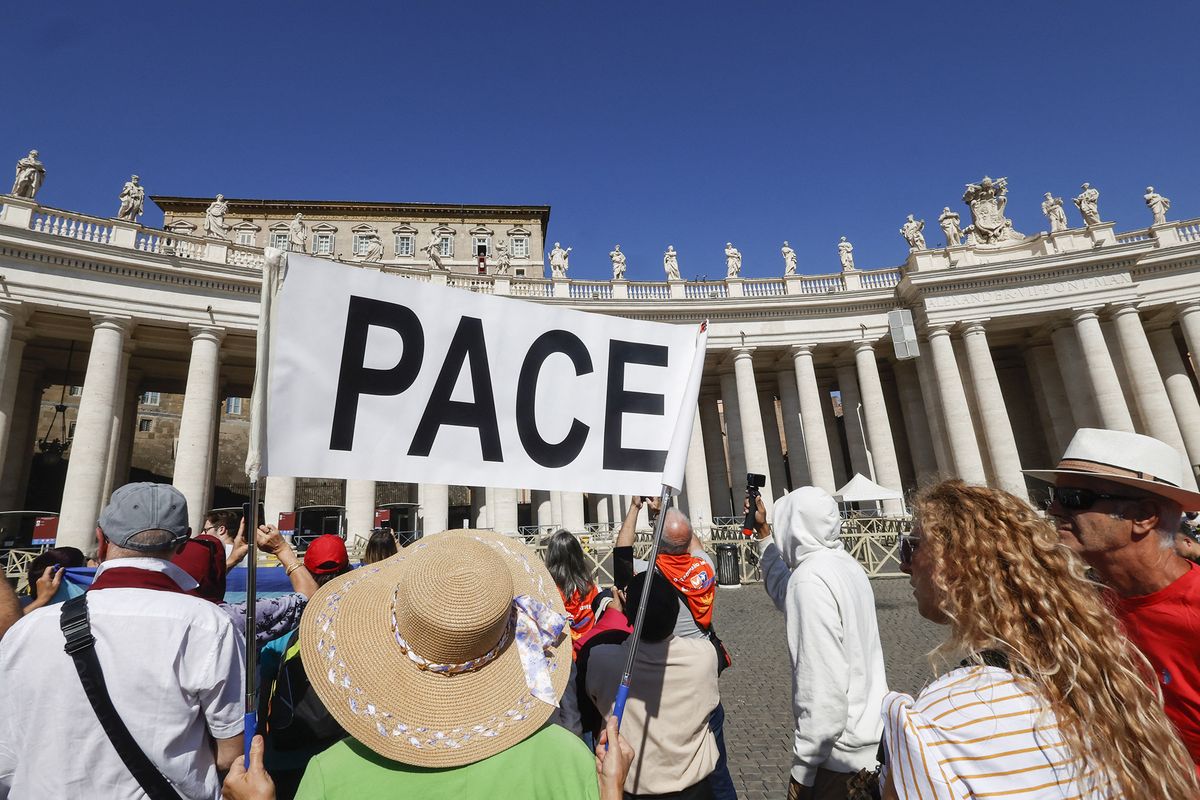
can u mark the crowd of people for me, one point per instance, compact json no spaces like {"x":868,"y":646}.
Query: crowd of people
{"x":466,"y":664}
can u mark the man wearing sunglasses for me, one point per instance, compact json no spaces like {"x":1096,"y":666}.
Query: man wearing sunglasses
{"x":1117,"y":499}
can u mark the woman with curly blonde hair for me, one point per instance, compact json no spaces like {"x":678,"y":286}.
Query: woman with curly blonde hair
{"x":1051,"y":700}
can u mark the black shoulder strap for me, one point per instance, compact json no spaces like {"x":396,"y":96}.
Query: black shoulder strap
{"x":81,"y":647}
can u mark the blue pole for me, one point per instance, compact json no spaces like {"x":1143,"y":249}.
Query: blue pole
{"x":250,"y":720}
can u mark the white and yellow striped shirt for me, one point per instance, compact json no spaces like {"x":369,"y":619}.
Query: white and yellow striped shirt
{"x":979,"y":732}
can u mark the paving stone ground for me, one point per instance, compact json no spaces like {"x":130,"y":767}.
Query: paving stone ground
{"x":756,"y":690}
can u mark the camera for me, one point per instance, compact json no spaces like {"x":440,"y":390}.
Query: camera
{"x":754,"y":482}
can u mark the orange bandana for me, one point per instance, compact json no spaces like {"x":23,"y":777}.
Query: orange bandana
{"x":580,"y":611}
{"x":693,"y":577}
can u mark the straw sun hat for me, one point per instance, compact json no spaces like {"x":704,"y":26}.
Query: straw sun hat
{"x":437,"y":656}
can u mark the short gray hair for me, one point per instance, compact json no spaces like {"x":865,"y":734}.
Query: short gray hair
{"x":677,"y":532}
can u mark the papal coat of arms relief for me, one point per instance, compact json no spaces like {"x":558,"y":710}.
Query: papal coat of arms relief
{"x":986,"y":200}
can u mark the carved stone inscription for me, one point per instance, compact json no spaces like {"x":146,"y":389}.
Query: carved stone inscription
{"x":1016,"y":294}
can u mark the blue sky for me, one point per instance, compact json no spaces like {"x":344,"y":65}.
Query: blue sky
{"x":647,"y":123}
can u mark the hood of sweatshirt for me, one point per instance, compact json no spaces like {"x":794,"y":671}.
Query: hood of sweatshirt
{"x":806,"y":522}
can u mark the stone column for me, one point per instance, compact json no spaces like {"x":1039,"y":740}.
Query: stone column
{"x":22,"y":434}
{"x":1102,"y":374}
{"x":750,"y":417}
{"x":360,"y":509}
{"x":572,"y":511}
{"x":1051,"y":393}
{"x":434,"y":502}
{"x":855,"y":424}
{"x":714,"y":457}
{"x":556,"y":509}
{"x":997,"y":429}
{"x":1149,"y":392}
{"x":935,"y":415}
{"x":93,"y":430}
{"x":10,"y":373}
{"x":766,"y":408}
{"x":916,"y":421}
{"x":960,"y":430}
{"x":1073,"y":372}
{"x":192,"y":467}
{"x":1178,"y":386}
{"x":879,"y":427}
{"x":279,"y":497}
{"x":489,"y":509}
{"x":733,"y":432}
{"x":812,"y":420}
{"x":504,"y":513}
{"x":539,"y":502}
{"x":128,"y":429}
{"x":120,"y":412}
{"x":1189,"y":321}
{"x":793,"y":428}
{"x":695,"y":481}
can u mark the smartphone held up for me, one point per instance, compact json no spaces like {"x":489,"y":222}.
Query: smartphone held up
{"x":754,"y":482}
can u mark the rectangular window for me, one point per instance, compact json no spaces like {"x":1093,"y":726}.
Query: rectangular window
{"x":404,"y":244}
{"x":481,"y":245}
{"x":245,"y":238}
{"x":76,"y":391}
{"x":361,"y":243}
{"x":151,"y":398}
{"x":233,"y":405}
{"x":520,"y":247}
{"x":144,"y":425}
{"x":323,"y":244}
{"x":446,"y":246}
{"x":71,"y":431}
{"x":279,"y":240}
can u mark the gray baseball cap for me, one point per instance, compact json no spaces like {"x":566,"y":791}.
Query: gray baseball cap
{"x":139,"y":507}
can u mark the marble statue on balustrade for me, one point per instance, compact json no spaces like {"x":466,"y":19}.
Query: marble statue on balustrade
{"x":671,"y":263}
{"x":618,"y":263}
{"x":911,"y":231}
{"x":434,"y":251}
{"x":297,"y":235}
{"x":31,"y":174}
{"x":789,"y":258}
{"x":1052,"y":207}
{"x":987,"y":200}
{"x":374,"y":252}
{"x":846,"y":254}
{"x":133,"y":200}
{"x":559,"y":261}
{"x":214,"y":219}
{"x":1158,"y":205}
{"x":503,"y":259}
{"x":1088,"y":203}
{"x":733,"y":261}
{"x":951,"y":224}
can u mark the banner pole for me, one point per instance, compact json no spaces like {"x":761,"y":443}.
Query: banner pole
{"x":627,"y":675}
{"x":250,"y":720}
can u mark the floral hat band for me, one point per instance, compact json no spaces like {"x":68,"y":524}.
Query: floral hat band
{"x":537,"y":628}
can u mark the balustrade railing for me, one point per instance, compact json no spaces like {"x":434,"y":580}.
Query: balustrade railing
{"x":591,"y":291}
{"x":822,"y":284}
{"x":658,"y":290}
{"x":1133,"y":236}
{"x":483,"y":284}
{"x":880,"y":278}
{"x":72,"y":226}
{"x":705,"y":290}
{"x":242,"y":257}
{"x":532,"y":287}
{"x":1189,"y":231}
{"x":771,"y":287}
{"x":165,"y":243}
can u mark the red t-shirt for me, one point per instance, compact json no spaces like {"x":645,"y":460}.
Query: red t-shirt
{"x":1165,"y":626}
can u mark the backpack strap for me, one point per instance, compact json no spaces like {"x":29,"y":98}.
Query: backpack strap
{"x":81,"y":647}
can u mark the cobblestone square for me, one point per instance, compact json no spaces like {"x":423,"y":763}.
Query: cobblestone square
{"x":756,"y":690}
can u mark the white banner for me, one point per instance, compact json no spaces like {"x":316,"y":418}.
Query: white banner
{"x":379,"y":377}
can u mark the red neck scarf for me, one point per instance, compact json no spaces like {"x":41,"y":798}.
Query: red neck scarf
{"x":135,"y":578}
{"x":693,"y":577}
{"x":580,"y":610}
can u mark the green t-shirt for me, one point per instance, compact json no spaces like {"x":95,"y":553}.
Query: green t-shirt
{"x":553,"y":764}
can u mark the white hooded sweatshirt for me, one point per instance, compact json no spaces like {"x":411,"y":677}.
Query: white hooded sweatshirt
{"x":838,"y":682}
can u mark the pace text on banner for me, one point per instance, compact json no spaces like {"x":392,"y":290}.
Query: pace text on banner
{"x":378,"y":377}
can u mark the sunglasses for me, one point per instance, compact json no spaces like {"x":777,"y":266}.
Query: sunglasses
{"x":908,"y":547}
{"x":1074,"y":499}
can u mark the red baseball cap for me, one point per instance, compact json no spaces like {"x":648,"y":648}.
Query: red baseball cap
{"x":326,"y":554}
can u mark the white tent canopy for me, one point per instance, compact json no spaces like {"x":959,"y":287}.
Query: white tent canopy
{"x":861,"y":489}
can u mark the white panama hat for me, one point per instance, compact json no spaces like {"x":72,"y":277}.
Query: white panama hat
{"x":1129,"y":459}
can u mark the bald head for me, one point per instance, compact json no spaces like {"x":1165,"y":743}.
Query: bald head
{"x":677,"y":532}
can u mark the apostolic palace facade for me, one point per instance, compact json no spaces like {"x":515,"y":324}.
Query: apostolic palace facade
{"x":1022,"y":339}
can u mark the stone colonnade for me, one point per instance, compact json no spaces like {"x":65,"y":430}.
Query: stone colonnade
{"x":967,"y":407}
